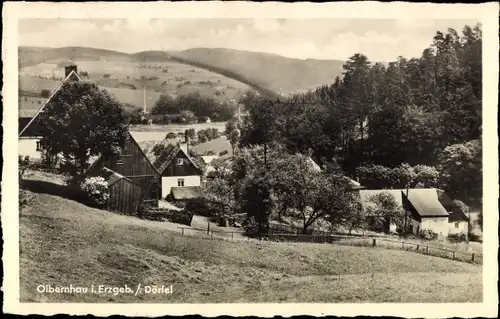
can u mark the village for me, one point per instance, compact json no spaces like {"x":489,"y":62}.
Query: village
{"x":141,"y":177}
{"x":176,"y":169}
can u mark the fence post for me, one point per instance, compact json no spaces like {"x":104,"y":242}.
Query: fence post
{"x":427,"y":250}
{"x":374,"y":242}
{"x":232,"y":235}
{"x":472,"y":257}
{"x":208,"y":228}
{"x":418,"y":246}
{"x":453,"y":256}
{"x":182,"y":231}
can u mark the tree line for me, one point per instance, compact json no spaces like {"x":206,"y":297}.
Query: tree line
{"x":423,"y":113}
{"x":198,"y":105}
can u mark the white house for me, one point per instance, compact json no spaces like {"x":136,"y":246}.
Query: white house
{"x":175,"y":166}
{"x":29,"y":139}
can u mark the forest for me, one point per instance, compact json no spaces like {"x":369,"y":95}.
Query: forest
{"x":386,"y":124}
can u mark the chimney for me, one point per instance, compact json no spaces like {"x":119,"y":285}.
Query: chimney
{"x":68,"y":69}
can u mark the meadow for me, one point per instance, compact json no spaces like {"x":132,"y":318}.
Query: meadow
{"x":64,"y":242}
{"x":126,"y":79}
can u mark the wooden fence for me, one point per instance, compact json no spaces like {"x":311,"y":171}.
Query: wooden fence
{"x":348,"y":240}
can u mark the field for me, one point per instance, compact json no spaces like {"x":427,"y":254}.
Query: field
{"x":126,"y":79}
{"x":236,"y":70}
{"x":158,"y":132}
{"x":63,"y":242}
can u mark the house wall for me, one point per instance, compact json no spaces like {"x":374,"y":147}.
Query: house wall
{"x":461,"y":229}
{"x":438,"y":225}
{"x":167,"y":182}
{"x":27,"y":147}
{"x":415,"y":227}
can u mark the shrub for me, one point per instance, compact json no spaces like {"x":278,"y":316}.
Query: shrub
{"x":251,"y":226}
{"x":428,"y":234}
{"x":182,"y":217}
{"x":457,"y":237}
{"x":96,"y":190}
{"x":200,"y":207}
{"x":45,"y":93}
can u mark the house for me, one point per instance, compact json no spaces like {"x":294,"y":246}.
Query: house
{"x":174,"y":165}
{"x":426,"y":208}
{"x":133,"y":164}
{"x":124,"y":195}
{"x":427,"y":211}
{"x":29,"y":120}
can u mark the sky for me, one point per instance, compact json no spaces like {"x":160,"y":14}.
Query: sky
{"x":379,"y":39}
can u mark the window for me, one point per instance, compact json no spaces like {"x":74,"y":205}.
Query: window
{"x":180,"y":182}
{"x":180,"y":161}
{"x":38,"y":146}
{"x":456,"y":225}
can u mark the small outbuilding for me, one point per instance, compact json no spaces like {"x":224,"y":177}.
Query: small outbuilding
{"x":124,"y":195}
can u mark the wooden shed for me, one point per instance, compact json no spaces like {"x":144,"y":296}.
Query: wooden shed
{"x":135,"y":166}
{"x":124,"y":195}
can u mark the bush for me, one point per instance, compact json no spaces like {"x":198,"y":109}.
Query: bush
{"x":182,"y":217}
{"x":45,"y":93}
{"x":457,"y":238}
{"x":200,"y":207}
{"x":96,"y":190}
{"x":428,"y":234}
{"x":251,"y":226}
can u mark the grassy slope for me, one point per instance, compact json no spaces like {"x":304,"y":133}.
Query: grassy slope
{"x":274,"y":72}
{"x":63,"y":242}
{"x":125,"y":75}
{"x":264,"y":72}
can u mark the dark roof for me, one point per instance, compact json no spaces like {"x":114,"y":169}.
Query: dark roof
{"x":457,"y":216}
{"x":110,"y":176}
{"x":166,"y":157}
{"x":426,"y":202}
{"x":189,"y":192}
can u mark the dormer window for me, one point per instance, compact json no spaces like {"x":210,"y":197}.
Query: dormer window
{"x":180,"y":161}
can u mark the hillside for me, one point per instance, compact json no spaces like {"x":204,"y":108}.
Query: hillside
{"x":267,"y":73}
{"x":120,"y":74}
{"x":84,"y":246}
{"x":270,"y":71}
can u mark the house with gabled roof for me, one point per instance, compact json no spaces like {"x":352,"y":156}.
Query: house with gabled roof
{"x":176,"y":168}
{"x":29,"y":138}
{"x":427,"y":208}
{"x":134,"y":164}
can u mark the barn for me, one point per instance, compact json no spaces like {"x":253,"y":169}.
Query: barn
{"x":124,"y":196}
{"x":133,"y":164}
